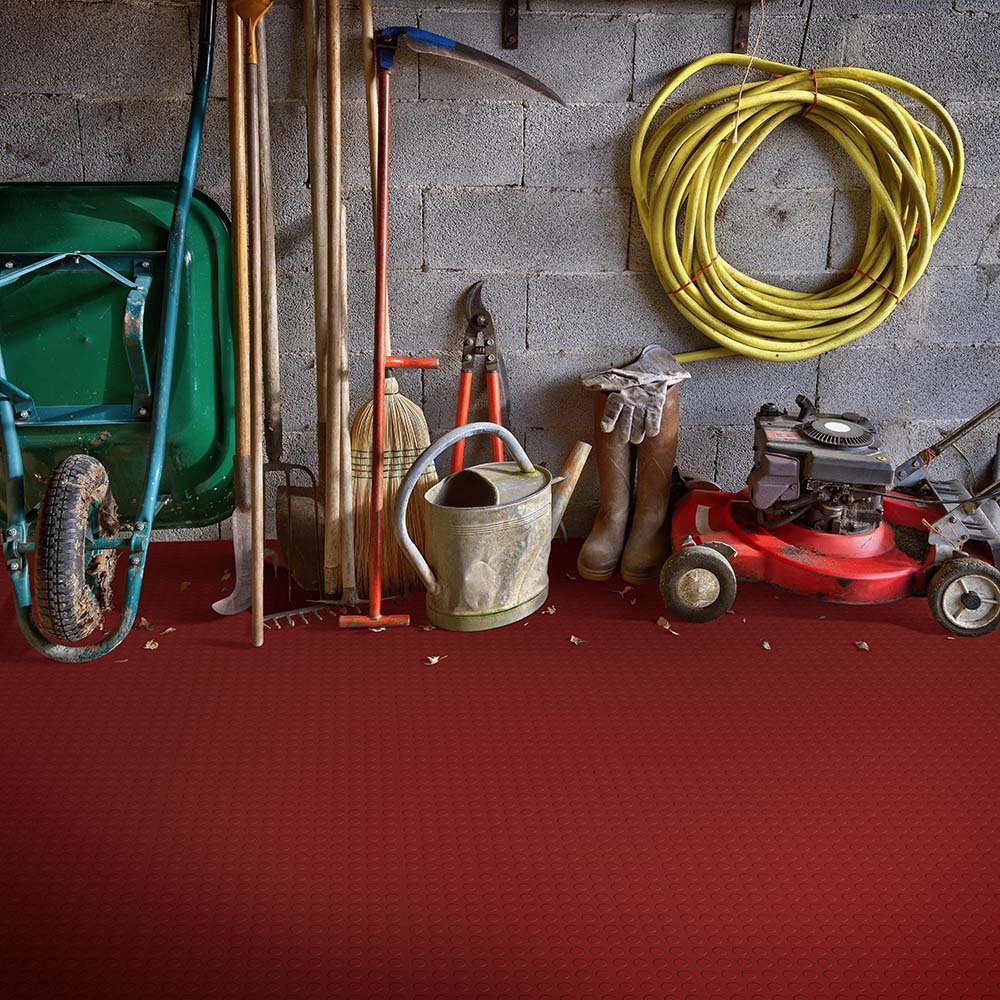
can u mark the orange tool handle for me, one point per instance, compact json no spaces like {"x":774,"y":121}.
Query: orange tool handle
{"x":461,"y":419}
{"x":395,"y":361}
{"x":493,"y":409}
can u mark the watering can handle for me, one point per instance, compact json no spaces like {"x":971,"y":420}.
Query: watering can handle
{"x":442,"y":444}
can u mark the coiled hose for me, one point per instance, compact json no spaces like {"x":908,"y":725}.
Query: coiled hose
{"x":683,"y":169}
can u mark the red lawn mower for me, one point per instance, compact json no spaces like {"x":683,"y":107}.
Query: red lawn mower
{"x":826,"y":515}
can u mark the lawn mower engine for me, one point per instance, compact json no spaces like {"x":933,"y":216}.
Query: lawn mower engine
{"x":821,"y":471}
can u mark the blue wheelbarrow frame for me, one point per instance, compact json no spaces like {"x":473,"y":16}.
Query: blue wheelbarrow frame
{"x":16,"y":404}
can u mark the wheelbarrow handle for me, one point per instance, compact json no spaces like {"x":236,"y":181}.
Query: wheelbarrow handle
{"x":443,"y":443}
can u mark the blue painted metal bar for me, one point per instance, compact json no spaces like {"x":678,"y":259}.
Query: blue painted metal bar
{"x":12,"y":275}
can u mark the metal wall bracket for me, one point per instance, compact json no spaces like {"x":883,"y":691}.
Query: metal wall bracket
{"x":509,"y":22}
{"x":135,"y":351}
{"x":741,"y":28}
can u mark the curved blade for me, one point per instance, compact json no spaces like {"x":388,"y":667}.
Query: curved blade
{"x":474,"y":300}
{"x":438,"y":45}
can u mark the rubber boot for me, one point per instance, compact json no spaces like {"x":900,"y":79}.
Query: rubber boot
{"x":602,"y":551}
{"x":649,"y":540}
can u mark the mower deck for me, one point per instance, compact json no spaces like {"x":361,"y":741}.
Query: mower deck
{"x":869,"y":568}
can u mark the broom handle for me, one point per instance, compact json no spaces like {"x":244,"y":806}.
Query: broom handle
{"x":378,"y":382}
{"x":241,"y":278}
{"x":256,"y":347}
{"x":372,"y":106}
{"x":349,"y":591}
{"x":333,"y":555}
{"x":318,"y":206}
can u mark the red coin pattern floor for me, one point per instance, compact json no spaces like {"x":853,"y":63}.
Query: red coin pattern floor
{"x":643,"y":815}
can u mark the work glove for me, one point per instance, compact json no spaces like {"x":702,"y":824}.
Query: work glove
{"x":637,"y":392}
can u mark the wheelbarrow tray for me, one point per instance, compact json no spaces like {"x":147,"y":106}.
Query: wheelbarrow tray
{"x":61,"y":333}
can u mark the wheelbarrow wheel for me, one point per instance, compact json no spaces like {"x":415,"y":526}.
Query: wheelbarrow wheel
{"x":72,"y":582}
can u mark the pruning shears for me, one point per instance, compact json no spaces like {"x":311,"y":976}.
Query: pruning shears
{"x":480,"y":341}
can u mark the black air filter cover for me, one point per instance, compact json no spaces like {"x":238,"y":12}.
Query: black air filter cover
{"x":838,"y":432}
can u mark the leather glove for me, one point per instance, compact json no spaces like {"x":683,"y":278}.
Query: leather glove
{"x":637,"y":392}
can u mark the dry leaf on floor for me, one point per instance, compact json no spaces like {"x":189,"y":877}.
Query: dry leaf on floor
{"x":577,"y":641}
{"x":381,"y":628}
{"x":145,"y":623}
{"x":765,"y":644}
{"x":226,"y":574}
{"x":663,"y":623}
{"x":569,"y":576}
{"x":743,"y":620}
{"x":122,"y":661}
{"x":863,"y":646}
{"x":633,"y":602}
{"x":626,"y":590}
{"x":429,"y":628}
{"x":431,"y":660}
{"x":152,"y":644}
{"x":167,"y":631}
{"x":184,"y":585}
{"x":550,"y":610}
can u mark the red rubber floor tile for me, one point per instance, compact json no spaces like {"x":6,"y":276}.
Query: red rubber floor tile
{"x":646,"y":815}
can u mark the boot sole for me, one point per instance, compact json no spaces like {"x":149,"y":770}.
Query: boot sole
{"x":596,"y":575}
{"x":640,"y":581}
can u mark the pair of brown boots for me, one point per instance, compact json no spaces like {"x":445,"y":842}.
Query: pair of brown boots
{"x":648,"y":534}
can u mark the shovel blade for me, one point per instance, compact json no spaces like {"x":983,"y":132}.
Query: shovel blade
{"x":240,"y":599}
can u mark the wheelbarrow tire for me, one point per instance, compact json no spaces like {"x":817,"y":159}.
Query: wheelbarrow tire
{"x":73,"y":588}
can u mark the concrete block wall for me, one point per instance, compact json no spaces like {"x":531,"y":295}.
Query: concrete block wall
{"x":493,"y":183}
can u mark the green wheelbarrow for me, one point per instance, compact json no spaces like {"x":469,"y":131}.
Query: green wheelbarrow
{"x":116,"y":384}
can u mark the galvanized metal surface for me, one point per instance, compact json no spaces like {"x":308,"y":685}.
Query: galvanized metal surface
{"x":488,"y":534}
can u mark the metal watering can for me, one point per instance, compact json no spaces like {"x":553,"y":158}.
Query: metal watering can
{"x":488,"y":533}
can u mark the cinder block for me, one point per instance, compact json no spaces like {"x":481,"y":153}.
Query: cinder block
{"x":976,"y":121}
{"x":971,"y":235}
{"x":774,"y":231}
{"x":107,"y":50}
{"x":425,"y":311}
{"x":143,"y":140}
{"x":526,"y":230}
{"x":665,"y":44}
{"x":735,"y":455}
{"x":586,"y":60}
{"x":912,"y":381}
{"x":294,"y":229}
{"x":441,"y":143}
{"x":286,"y":53}
{"x":579,"y":147}
{"x":618,"y":314}
{"x":731,"y":390}
{"x":760,"y":231}
{"x":963,"y":306}
{"x":211,"y":533}
{"x":899,"y":45}
{"x":41,"y":139}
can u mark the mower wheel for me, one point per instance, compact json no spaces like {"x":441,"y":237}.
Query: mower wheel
{"x":698,"y":584}
{"x":964,"y":596}
{"x":73,"y":583}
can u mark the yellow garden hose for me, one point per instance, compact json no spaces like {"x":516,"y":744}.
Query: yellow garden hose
{"x":682,"y":170}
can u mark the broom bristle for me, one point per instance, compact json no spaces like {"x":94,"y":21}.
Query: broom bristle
{"x":406,"y":437}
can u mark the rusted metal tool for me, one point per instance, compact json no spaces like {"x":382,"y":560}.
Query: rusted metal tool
{"x":480,"y":341}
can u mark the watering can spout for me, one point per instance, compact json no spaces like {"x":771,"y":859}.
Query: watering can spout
{"x":565,"y":483}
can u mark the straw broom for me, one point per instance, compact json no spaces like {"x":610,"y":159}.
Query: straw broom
{"x":406,"y":433}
